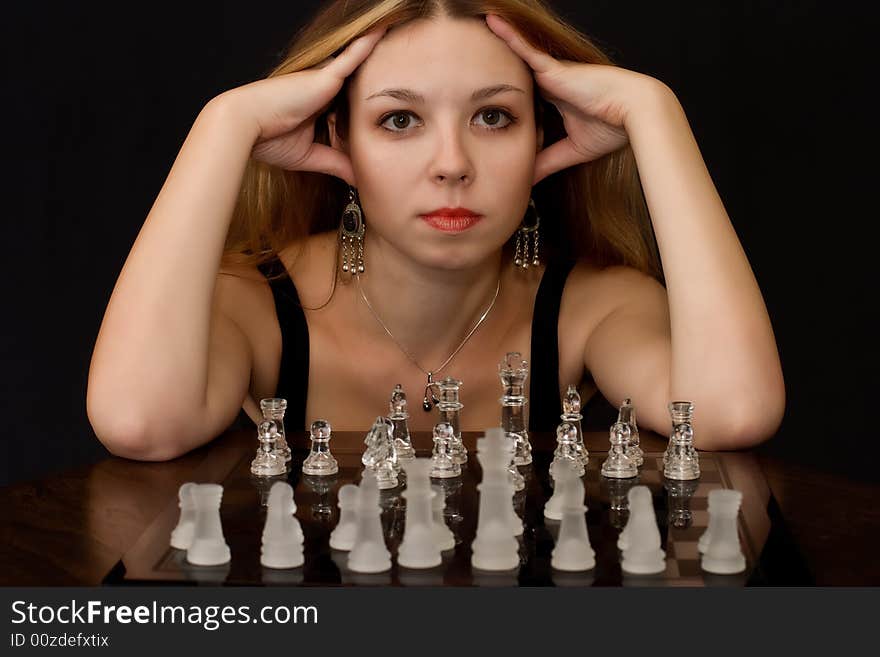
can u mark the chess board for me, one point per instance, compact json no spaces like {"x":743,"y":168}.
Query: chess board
{"x":681,"y":509}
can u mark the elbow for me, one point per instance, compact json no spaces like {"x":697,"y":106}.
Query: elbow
{"x":129,"y":436}
{"x":747,"y":426}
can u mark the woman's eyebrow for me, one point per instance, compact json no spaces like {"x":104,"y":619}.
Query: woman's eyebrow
{"x":408,"y":95}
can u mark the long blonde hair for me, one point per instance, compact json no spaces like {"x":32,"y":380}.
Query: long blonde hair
{"x":594,"y":212}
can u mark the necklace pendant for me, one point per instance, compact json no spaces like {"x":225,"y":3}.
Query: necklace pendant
{"x":428,"y":404}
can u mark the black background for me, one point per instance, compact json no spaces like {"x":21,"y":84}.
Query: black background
{"x":97,"y":100}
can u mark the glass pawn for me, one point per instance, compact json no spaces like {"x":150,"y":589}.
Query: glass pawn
{"x":571,"y":412}
{"x":320,"y":461}
{"x":449,"y":407}
{"x":443,"y":466}
{"x":380,"y":456}
{"x":617,"y":491}
{"x":566,"y":450}
{"x":627,"y":415}
{"x":273,"y":408}
{"x":619,"y":465}
{"x":681,"y":460}
{"x":679,"y":494}
{"x":267,"y":462}
{"x":399,"y":415}
{"x":513,"y":371}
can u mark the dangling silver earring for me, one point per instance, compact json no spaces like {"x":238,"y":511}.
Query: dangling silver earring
{"x":529,"y":226}
{"x":351,"y":235}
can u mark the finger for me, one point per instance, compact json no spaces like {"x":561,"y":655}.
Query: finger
{"x":539,"y":61}
{"x":356,"y":52}
{"x":324,"y":159}
{"x":556,"y":157}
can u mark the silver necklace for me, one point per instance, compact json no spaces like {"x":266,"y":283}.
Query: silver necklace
{"x":428,"y":404}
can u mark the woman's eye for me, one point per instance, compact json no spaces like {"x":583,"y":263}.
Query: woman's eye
{"x":494,"y":120}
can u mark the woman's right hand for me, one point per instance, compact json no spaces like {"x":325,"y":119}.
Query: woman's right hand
{"x":283,"y":110}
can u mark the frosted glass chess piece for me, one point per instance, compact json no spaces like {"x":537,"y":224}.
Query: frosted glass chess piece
{"x":627,"y":415}
{"x":573,"y":550}
{"x":379,"y":455}
{"x":398,"y":414}
{"x":208,"y":547}
{"x":449,"y":407}
{"x":566,"y":450}
{"x":494,"y":547}
{"x":637,"y":495}
{"x":681,"y":461}
{"x":553,"y":506}
{"x":442,"y":464}
{"x":369,"y":554}
{"x":571,"y":413}
{"x":273,"y":408}
{"x":513,"y":371}
{"x":267,"y":462}
{"x":722,"y":552}
{"x":642,"y":555}
{"x":282,"y":540}
{"x":418,"y":548}
{"x":182,"y":535}
{"x":444,"y":539}
{"x":320,"y":461}
{"x":619,"y":465}
{"x":342,"y":537}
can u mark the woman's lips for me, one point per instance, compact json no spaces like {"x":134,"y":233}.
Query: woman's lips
{"x":451,"y":224}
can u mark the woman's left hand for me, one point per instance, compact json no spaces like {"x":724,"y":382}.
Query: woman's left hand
{"x":593,"y":99}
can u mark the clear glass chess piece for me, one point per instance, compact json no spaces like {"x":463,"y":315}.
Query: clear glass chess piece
{"x":393,"y":514}
{"x":452,"y":512}
{"x":571,"y":413}
{"x":517,"y":480}
{"x":619,"y":465}
{"x":442,"y":464}
{"x":321,"y":485}
{"x":513,"y":371}
{"x":679,"y":497}
{"x":267,"y":462}
{"x":566,"y":450}
{"x":627,"y":415}
{"x":320,"y":461}
{"x":380,"y":456}
{"x":273,"y":408}
{"x":449,"y":407}
{"x":617,"y":491}
{"x":399,"y":415}
{"x":681,"y":460}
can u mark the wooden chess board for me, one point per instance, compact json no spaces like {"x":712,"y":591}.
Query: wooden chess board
{"x":681,"y":509}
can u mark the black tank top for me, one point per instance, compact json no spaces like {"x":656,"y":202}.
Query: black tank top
{"x":545,"y":405}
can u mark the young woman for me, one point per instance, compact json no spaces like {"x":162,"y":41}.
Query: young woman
{"x":468,"y":140}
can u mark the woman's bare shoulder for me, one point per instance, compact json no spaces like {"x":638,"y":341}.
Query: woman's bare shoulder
{"x":242,"y":289}
{"x":592,"y":292}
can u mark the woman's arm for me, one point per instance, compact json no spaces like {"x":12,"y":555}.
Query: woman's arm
{"x":722,"y":351}
{"x":150,"y":392}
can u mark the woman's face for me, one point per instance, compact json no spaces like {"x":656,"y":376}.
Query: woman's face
{"x":411,"y":156}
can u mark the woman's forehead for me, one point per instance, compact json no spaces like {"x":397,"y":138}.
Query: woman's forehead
{"x":459,"y":56}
